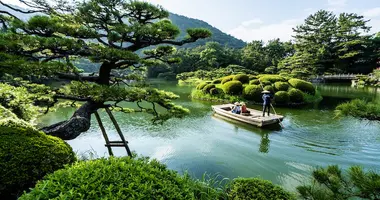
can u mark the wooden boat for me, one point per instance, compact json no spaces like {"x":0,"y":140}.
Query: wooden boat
{"x":255,"y":117}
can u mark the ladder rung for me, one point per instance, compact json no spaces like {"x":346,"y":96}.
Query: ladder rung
{"x":111,"y":142}
{"x":115,"y":145}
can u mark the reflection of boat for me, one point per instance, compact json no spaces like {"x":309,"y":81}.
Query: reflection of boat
{"x":254,"y":117}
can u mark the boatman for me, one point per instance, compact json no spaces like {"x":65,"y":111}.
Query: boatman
{"x":267,"y":97}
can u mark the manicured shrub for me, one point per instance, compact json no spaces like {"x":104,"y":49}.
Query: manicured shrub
{"x":242,"y":78}
{"x":281,"y":86}
{"x":265,"y":83}
{"x":271,"y":78}
{"x":253,"y":93}
{"x":217,"y":81}
{"x":281,"y":97}
{"x":200,"y":86}
{"x":227,"y":79}
{"x":27,"y":155}
{"x":254,"y":82}
{"x":269,"y":88}
{"x":233,"y":87}
{"x":251,"y":77}
{"x":206,"y":89}
{"x":216,"y":91}
{"x":296,"y":95}
{"x":302,"y":85}
{"x":254,"y":188}
{"x":114,"y":178}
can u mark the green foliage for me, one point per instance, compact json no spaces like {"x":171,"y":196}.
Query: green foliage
{"x":227,"y":79}
{"x":271,"y":78}
{"x":265,"y":83}
{"x":208,"y":87}
{"x":217,"y":81}
{"x":26,"y":155}
{"x":360,"y":109}
{"x":302,"y":85}
{"x":269,"y":88}
{"x":126,"y":178}
{"x":296,"y":95}
{"x":281,"y":97}
{"x":200,"y":86}
{"x":233,"y":87}
{"x":216,"y":91}
{"x":242,"y":78}
{"x":253,"y":93}
{"x":332,"y":183}
{"x":169,"y":76}
{"x":254,"y":82}
{"x":255,"y":188}
{"x":281,"y":86}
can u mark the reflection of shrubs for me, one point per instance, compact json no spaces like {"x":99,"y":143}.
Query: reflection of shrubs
{"x":281,"y":97}
{"x":281,"y":86}
{"x":233,"y":87}
{"x":272,"y":78}
{"x":252,"y":92}
{"x":227,"y":79}
{"x":254,"y":82}
{"x":206,"y":89}
{"x":27,"y":155}
{"x":200,"y":86}
{"x":254,"y":188}
{"x":296,"y":95}
{"x":242,"y":78}
{"x":302,"y":85}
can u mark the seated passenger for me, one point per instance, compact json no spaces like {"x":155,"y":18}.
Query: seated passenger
{"x":236,"y":109}
{"x":244,"y":108}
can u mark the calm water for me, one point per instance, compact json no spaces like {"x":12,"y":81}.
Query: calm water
{"x":202,"y":142}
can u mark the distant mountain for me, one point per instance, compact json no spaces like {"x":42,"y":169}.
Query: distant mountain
{"x":217,"y":35}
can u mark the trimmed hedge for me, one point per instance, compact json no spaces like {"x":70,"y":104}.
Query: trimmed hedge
{"x":227,"y":79}
{"x":296,"y":95}
{"x":217,"y":81}
{"x":269,"y":88}
{"x":27,"y":155}
{"x":255,"y":188}
{"x":216,"y":91}
{"x":265,"y":83}
{"x":200,"y":86}
{"x":302,"y":85}
{"x":272,"y":78}
{"x":242,"y":78}
{"x":115,"y":178}
{"x":254,"y":82}
{"x":251,"y":77}
{"x":281,"y":97}
{"x":281,"y":86}
{"x":206,"y":89}
{"x":233,"y":87}
{"x":253,"y":93}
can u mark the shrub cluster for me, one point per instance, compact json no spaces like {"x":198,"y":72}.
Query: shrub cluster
{"x":272,"y":78}
{"x":227,"y":79}
{"x":252,"y":92}
{"x":233,"y":87}
{"x":217,"y":81}
{"x":302,"y":85}
{"x":269,"y":88}
{"x":216,"y":91}
{"x":281,"y":97}
{"x":281,"y":86}
{"x":254,"y":82}
{"x":200,"y":86}
{"x":242,"y":78}
{"x":206,"y":89}
{"x":296,"y":95}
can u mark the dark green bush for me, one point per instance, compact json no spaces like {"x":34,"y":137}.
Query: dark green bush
{"x":254,"y":188}
{"x":254,"y":82}
{"x":251,"y":77}
{"x":26,"y":155}
{"x":227,"y":79}
{"x":200,"y":86}
{"x":233,"y":87}
{"x":216,"y":91}
{"x":206,"y":89}
{"x":217,"y":81}
{"x":360,"y":109}
{"x":265,"y":83}
{"x":302,"y":85}
{"x":242,"y":78}
{"x":281,"y":86}
{"x":281,"y":97}
{"x":114,"y":178}
{"x":253,"y":93}
{"x":296,"y":95}
{"x":269,"y":88}
{"x":271,"y":78}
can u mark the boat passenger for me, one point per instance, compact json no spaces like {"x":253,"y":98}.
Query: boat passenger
{"x":236,"y":108}
{"x":267,"y":101}
{"x":244,"y":108}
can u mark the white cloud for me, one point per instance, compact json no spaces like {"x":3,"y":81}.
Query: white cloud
{"x":337,"y":3}
{"x":373,"y":12}
{"x":252,"y":22}
{"x":282,"y":30}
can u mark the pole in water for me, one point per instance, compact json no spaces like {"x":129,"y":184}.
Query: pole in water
{"x":272,"y":107}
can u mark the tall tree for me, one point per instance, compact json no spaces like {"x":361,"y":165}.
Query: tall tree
{"x":108,"y":32}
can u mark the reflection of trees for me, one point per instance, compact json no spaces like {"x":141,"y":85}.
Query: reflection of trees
{"x":264,"y":143}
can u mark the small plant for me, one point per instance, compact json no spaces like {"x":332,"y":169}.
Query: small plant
{"x":296,"y":95}
{"x":242,"y":78}
{"x":281,"y":86}
{"x":281,"y":97}
{"x":233,"y":87}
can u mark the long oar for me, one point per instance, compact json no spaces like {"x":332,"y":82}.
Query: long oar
{"x":272,"y":107}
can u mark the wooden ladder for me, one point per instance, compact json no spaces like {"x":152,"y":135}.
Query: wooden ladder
{"x":109,"y":144}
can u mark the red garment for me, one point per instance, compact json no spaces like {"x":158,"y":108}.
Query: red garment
{"x":244,"y":109}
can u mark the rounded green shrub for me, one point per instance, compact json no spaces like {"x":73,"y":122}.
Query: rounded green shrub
{"x":269,"y":88}
{"x":296,"y":95}
{"x":271,"y":78}
{"x":281,"y":86}
{"x":206,"y":89}
{"x":233,"y":87}
{"x":254,"y":82}
{"x":302,"y":85}
{"x":227,"y":79}
{"x":216,"y":91}
{"x":252,"y":93}
{"x":27,"y":155}
{"x":200,"y":86}
{"x":217,"y":81}
{"x":265,"y":83}
{"x":242,"y":78}
{"x":254,"y":188}
{"x":251,"y":77}
{"x":114,"y":178}
{"x":281,"y":97}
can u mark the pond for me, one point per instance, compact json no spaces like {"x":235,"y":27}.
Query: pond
{"x":203,"y":142}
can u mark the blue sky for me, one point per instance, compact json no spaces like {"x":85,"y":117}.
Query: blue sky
{"x":264,"y":19}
